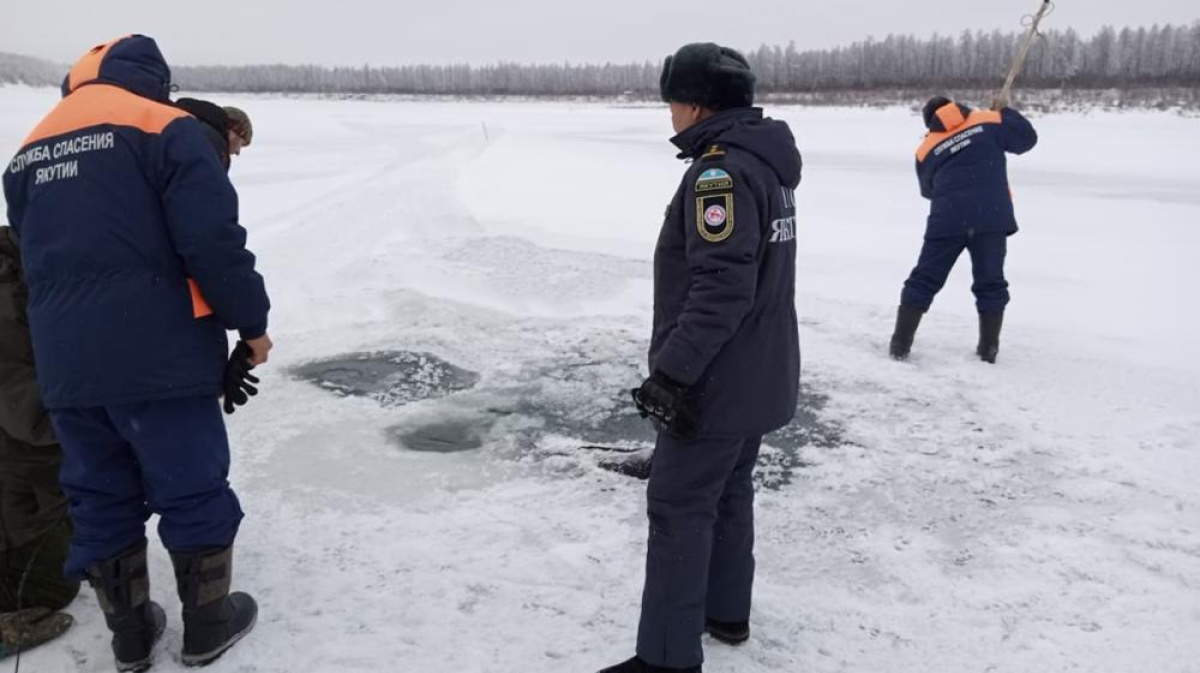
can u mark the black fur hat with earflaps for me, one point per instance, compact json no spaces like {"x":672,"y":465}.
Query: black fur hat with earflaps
{"x":709,"y":75}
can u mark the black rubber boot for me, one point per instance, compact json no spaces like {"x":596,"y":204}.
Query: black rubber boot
{"x":123,"y":589}
{"x":908,"y":319}
{"x":214,"y":620}
{"x":636,"y":665}
{"x":989,"y":337}
{"x":730,"y":633}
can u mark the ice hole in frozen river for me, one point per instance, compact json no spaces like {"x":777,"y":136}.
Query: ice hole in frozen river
{"x":610,"y":430}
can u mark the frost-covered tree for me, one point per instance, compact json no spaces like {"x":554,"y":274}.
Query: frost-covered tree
{"x":1132,"y":57}
{"x":16,"y":69}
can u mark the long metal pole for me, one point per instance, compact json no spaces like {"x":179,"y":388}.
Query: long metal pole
{"x":1023,"y":54}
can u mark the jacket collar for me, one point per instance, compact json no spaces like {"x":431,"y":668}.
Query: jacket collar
{"x":695,"y":140}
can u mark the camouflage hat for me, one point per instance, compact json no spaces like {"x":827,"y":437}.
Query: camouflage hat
{"x":239,"y":123}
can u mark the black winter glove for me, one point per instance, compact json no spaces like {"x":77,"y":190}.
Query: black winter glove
{"x":666,"y":401}
{"x":238,"y":379}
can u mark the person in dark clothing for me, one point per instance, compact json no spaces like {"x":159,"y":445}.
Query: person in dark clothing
{"x":215,"y":123}
{"x":724,"y":355}
{"x":35,"y":531}
{"x":228,"y":128}
{"x":218,"y":129}
{"x":962,"y":170}
{"x":136,"y":268}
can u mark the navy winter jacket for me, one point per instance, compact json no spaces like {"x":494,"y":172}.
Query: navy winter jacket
{"x":963,"y":169}
{"x":725,"y":275}
{"x":128,"y":228}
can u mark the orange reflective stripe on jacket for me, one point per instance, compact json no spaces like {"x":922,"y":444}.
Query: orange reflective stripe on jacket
{"x":102,"y":104}
{"x":87,"y":68}
{"x":951,"y":116}
{"x":976,"y":118}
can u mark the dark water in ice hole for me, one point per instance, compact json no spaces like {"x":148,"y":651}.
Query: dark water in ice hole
{"x":569,"y":401}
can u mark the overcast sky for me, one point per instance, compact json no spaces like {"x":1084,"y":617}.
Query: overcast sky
{"x":393,"y":32}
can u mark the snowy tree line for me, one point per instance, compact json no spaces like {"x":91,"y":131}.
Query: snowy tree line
{"x":16,"y":69}
{"x":1160,"y":56}
{"x":503,"y":79}
{"x":1157,"y":56}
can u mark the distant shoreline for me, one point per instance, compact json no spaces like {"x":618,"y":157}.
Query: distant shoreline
{"x":1183,"y":100}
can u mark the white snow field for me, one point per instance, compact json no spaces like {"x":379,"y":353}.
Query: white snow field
{"x":1038,"y":515}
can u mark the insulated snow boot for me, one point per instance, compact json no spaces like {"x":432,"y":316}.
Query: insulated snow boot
{"x":214,"y":620}
{"x":730,"y":633}
{"x":636,"y":665}
{"x":907,"y":321}
{"x":989,"y":337}
{"x":123,"y":589}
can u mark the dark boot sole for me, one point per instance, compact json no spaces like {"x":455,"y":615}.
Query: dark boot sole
{"x":201,"y":660}
{"x":138,"y":667}
{"x":732,"y":640}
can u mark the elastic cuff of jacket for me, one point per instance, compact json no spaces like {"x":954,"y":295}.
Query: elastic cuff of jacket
{"x":251,"y":333}
{"x":677,"y":369}
{"x":663,"y":377}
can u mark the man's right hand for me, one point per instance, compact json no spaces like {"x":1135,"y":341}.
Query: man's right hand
{"x":239,"y":382}
{"x":260,"y":349}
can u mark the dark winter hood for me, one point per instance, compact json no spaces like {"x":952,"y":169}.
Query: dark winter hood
{"x":747,"y":129}
{"x":215,"y":122}
{"x":208,"y":112}
{"x":133,"y":63}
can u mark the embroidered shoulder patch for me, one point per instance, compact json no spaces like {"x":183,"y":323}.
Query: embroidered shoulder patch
{"x":714,"y":217}
{"x":714,"y":179}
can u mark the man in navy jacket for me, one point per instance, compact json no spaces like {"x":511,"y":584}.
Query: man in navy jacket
{"x":962,"y":170}
{"x":724,"y":355}
{"x":136,"y":267}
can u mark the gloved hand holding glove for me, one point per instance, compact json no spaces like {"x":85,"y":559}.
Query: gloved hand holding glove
{"x":667,"y":402}
{"x":238,"y":379}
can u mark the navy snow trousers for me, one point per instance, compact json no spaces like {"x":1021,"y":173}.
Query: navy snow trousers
{"x":700,"y":556}
{"x":938,"y":256}
{"x":123,"y":463}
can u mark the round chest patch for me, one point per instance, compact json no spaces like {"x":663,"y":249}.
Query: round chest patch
{"x":715,"y":216}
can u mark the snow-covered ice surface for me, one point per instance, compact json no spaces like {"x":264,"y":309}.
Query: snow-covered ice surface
{"x":1039,"y":515}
